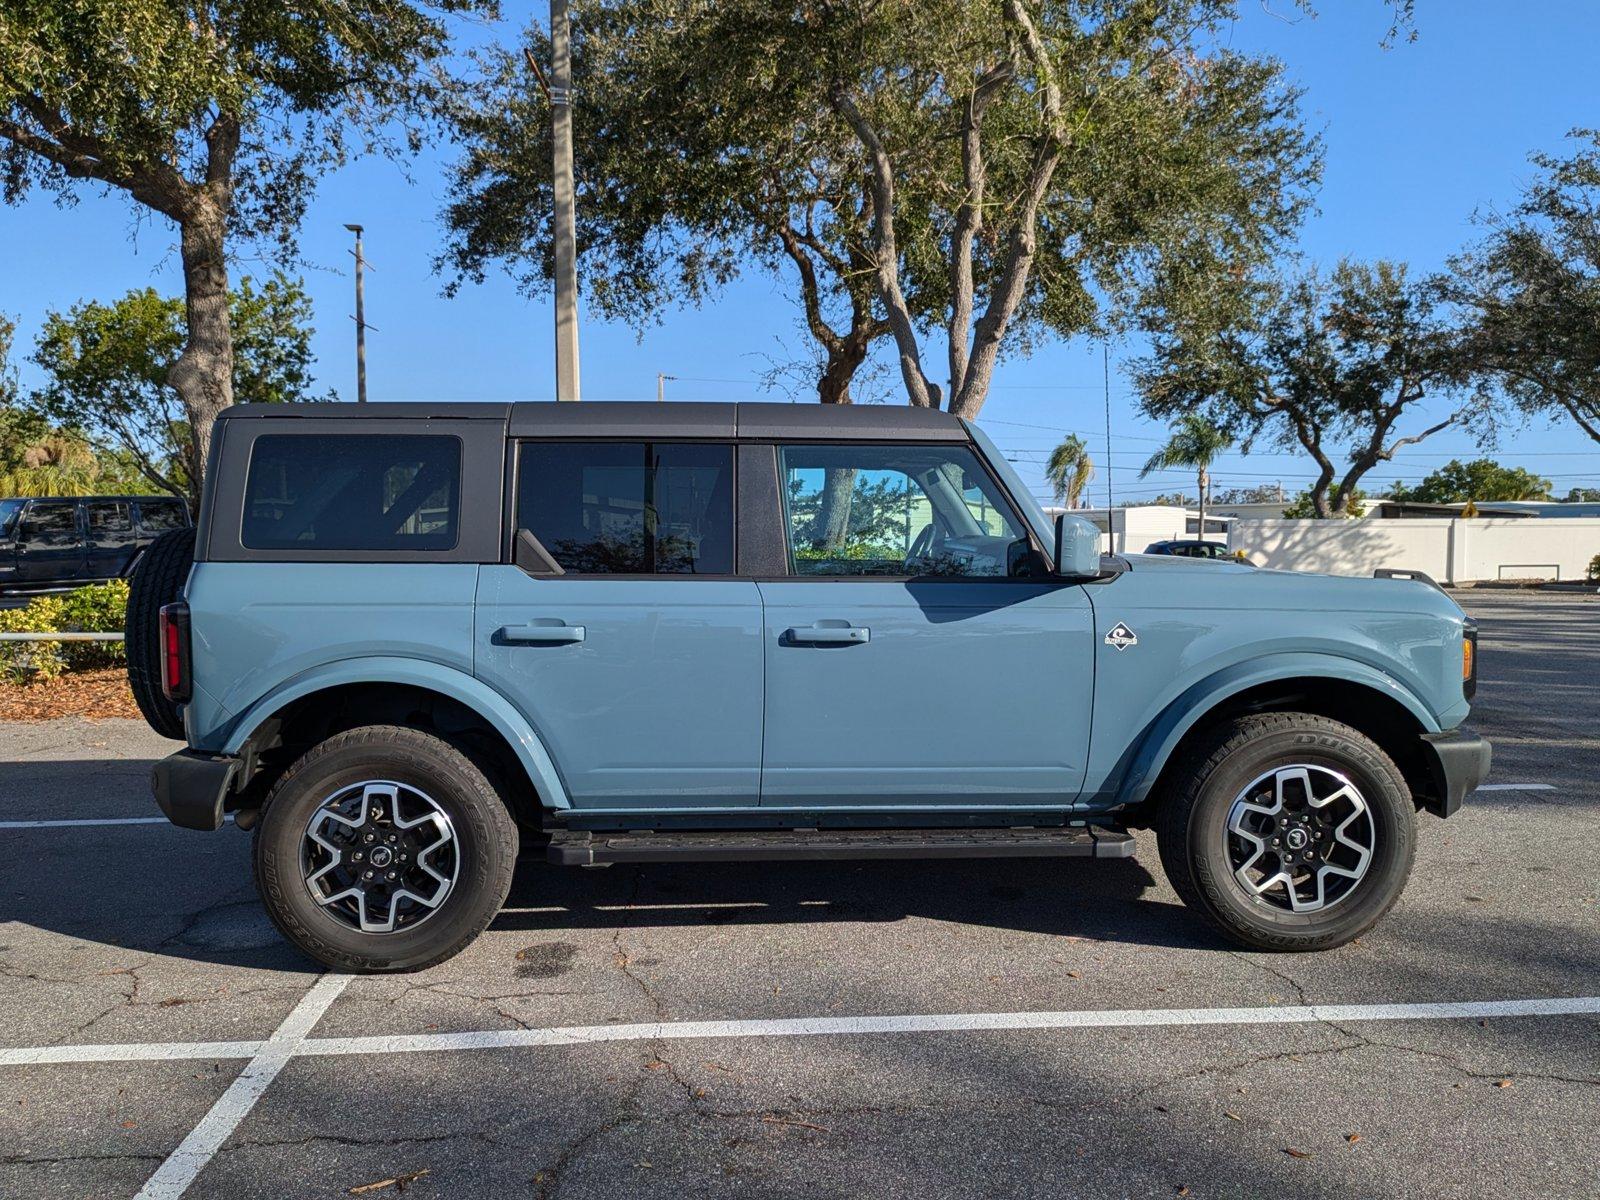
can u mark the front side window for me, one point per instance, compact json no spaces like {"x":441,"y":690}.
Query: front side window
{"x":50,"y":526}
{"x":352,"y":492}
{"x":898,"y":510}
{"x":629,"y":508}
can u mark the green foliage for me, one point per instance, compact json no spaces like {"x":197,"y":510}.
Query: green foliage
{"x":97,"y":609}
{"x":1166,"y":499}
{"x":1328,"y":364}
{"x":1044,"y":160}
{"x":1532,"y":288}
{"x":109,"y":368}
{"x":1481,"y":479}
{"x":1581,"y":495}
{"x":1069,"y":470}
{"x":1594,"y":567}
{"x":1194,"y":443}
{"x":1353,"y":504}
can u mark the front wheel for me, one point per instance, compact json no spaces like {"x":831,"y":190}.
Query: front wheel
{"x":1288,"y":831}
{"x":383,"y":849}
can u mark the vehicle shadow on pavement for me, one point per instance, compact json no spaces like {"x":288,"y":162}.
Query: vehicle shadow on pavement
{"x":1105,"y":900}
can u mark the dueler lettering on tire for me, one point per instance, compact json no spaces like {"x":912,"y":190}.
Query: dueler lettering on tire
{"x":1288,"y":831}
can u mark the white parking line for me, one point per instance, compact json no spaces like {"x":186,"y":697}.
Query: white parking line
{"x":571,"y":1035}
{"x":175,"y":1175}
{"x":1516,"y":787}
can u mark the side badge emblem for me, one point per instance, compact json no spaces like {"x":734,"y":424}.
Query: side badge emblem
{"x":1121,"y":637}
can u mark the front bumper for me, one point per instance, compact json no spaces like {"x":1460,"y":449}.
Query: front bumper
{"x":1458,"y":759}
{"x":191,"y":786}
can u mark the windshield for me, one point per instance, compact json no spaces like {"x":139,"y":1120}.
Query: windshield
{"x":8,"y":518}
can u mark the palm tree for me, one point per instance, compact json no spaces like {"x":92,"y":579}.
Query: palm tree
{"x":1194,"y":442}
{"x":1069,"y":470}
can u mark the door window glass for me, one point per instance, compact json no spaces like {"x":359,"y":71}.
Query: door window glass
{"x":352,"y":492}
{"x":110,"y":521}
{"x":629,"y":508}
{"x":906,"y":510}
{"x":50,"y":527}
{"x":158,"y":516}
{"x":8,"y":517}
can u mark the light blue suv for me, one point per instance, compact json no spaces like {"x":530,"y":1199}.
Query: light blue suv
{"x":405,"y":641}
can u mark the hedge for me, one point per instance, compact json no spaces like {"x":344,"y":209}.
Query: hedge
{"x":96,"y":609}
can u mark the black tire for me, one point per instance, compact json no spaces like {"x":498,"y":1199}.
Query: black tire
{"x":1192,"y":829}
{"x":157,"y":580}
{"x":486,"y":848}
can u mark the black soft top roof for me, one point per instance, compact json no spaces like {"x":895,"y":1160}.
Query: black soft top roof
{"x":624,"y":418}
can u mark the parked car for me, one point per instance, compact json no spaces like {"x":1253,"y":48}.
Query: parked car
{"x":415,"y":638}
{"x":1193,"y":548}
{"x":57,"y":541}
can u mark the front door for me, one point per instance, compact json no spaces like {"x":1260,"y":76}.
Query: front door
{"x":50,"y":544}
{"x":917,"y":654}
{"x":639,"y":664}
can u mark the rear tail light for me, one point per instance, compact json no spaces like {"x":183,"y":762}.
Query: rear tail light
{"x":176,"y":680}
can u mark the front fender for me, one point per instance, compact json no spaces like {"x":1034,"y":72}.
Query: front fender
{"x":1163,"y":734}
{"x":435,"y":677}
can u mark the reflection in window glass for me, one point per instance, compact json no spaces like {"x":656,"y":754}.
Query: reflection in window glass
{"x":48,"y":525}
{"x":110,"y":522}
{"x":352,"y":492}
{"x":912,"y":510}
{"x":630,"y":508}
{"x":158,"y":516}
{"x":8,"y":517}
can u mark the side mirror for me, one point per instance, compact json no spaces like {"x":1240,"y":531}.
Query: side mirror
{"x":1077,"y":546}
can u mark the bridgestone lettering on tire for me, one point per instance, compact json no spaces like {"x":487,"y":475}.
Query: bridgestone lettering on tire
{"x":446,"y":840}
{"x":1287,"y":831}
{"x":156,"y":581}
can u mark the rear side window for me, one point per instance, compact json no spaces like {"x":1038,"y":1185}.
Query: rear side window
{"x":629,"y":508}
{"x":352,"y":492}
{"x":158,"y":516}
{"x":110,"y":522}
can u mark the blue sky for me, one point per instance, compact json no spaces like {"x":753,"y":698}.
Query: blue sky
{"x":1418,"y":137}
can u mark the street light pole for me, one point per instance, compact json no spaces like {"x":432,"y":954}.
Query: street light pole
{"x":565,"y":237}
{"x":361,"y":319}
{"x":661,"y":386}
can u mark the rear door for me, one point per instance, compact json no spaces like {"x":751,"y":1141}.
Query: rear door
{"x":640,"y":663}
{"x":109,"y":528}
{"x":917,"y":653}
{"x":50,"y":545}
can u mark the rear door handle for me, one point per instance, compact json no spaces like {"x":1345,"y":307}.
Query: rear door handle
{"x":829,"y":635}
{"x":546,"y":634}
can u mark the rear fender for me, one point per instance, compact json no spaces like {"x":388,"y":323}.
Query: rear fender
{"x":489,"y":704}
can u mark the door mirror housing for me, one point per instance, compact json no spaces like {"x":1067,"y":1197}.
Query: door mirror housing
{"x":1077,"y":546}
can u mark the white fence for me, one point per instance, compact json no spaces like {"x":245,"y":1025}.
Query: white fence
{"x":1452,"y":551}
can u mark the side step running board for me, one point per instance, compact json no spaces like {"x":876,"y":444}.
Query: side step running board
{"x":576,"y":849}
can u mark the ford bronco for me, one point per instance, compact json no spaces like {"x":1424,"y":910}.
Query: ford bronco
{"x":404,"y":642}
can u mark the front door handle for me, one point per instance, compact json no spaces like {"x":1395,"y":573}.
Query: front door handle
{"x":546,"y":634}
{"x":829,"y":635}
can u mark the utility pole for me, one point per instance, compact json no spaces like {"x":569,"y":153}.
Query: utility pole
{"x":565,"y":238}
{"x":360,"y":319}
{"x":661,"y":386}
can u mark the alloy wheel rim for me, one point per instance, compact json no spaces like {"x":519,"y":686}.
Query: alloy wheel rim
{"x":380,"y":856}
{"x":1300,"y":838}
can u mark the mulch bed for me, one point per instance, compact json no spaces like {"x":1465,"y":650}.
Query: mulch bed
{"x":96,"y":694}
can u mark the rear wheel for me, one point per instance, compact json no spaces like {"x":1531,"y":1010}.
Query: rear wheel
{"x":384,"y":849}
{"x":157,"y":580}
{"x":1288,"y":831}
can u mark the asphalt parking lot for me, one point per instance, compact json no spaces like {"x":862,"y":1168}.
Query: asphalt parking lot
{"x":1070,"y":1029}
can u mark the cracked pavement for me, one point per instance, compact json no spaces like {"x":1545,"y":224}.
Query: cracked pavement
{"x":152,"y":934}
